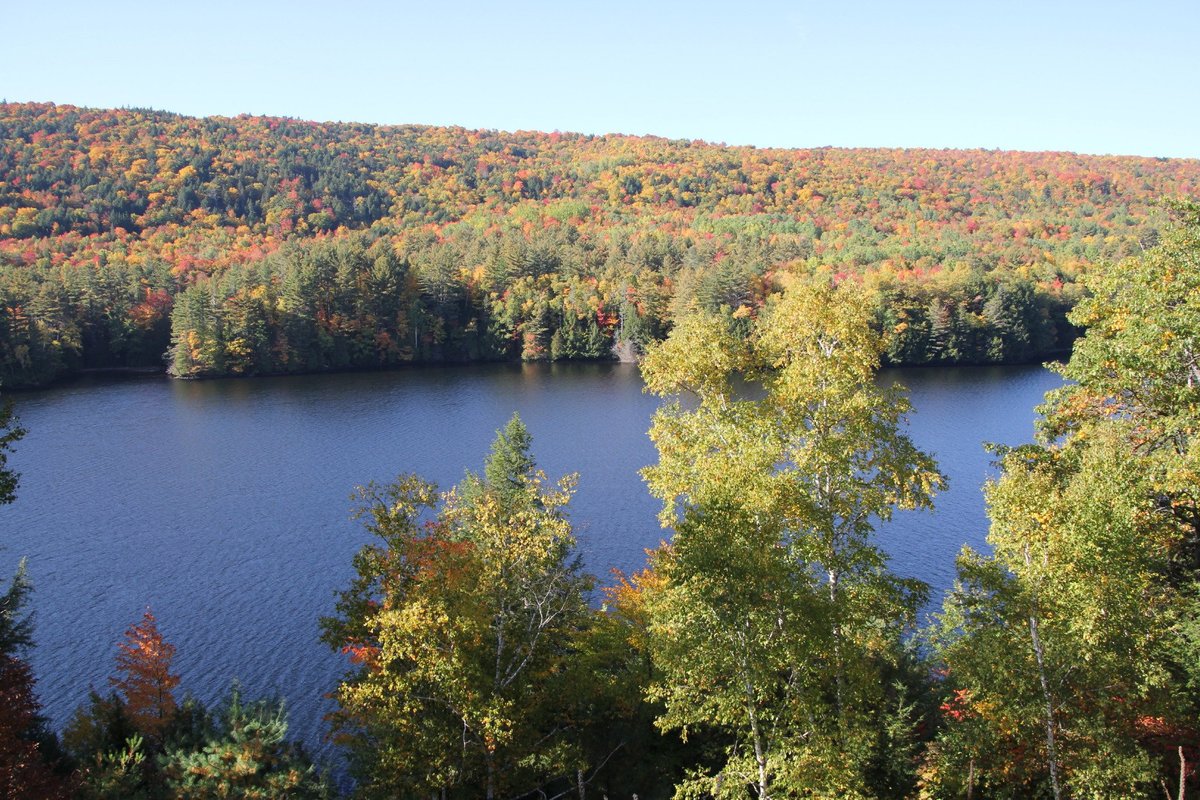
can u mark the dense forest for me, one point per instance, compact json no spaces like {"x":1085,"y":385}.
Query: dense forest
{"x":766,"y":650}
{"x":216,"y":246}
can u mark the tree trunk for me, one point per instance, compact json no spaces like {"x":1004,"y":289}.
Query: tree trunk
{"x":838,"y":671}
{"x":760,"y":756}
{"x":1047,"y":698}
{"x":1182,"y":779}
{"x":760,"y":750}
{"x":1182,"y":774}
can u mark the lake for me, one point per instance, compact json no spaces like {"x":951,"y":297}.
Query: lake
{"x":224,"y":505}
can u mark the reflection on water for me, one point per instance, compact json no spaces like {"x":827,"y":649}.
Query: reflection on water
{"x":225,"y":506}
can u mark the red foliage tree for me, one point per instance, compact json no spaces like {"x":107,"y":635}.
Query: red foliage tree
{"x":24,"y":774}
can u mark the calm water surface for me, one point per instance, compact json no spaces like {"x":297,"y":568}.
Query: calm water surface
{"x":224,"y":505}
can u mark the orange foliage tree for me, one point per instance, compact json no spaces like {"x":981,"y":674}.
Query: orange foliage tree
{"x":144,"y":678}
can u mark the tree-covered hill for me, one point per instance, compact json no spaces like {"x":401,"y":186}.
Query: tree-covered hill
{"x":255,"y":245}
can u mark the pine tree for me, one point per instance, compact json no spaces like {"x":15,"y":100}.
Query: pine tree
{"x":10,"y":433}
{"x":247,"y":758}
{"x":509,"y":466}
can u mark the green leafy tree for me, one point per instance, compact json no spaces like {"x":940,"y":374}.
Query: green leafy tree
{"x":10,"y":433}
{"x":1137,"y":370}
{"x":778,"y":487}
{"x":462,"y":629}
{"x":123,"y":773}
{"x":1069,"y":649}
{"x":624,"y":752}
{"x":1055,"y":643}
{"x":112,"y":759}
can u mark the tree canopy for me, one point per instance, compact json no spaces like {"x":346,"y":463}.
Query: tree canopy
{"x":238,"y":244}
{"x":1070,"y":648}
{"x":775,"y":614}
{"x":461,"y":630}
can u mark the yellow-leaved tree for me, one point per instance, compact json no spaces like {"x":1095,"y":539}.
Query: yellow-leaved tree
{"x":776,"y":622}
{"x":1071,"y":649}
{"x":460,"y":628}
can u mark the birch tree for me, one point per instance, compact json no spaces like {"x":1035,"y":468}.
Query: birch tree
{"x":1070,"y":649}
{"x":776,"y":461}
{"x":1055,"y":644}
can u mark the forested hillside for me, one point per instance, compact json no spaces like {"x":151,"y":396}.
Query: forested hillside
{"x":265,"y":245}
{"x":767,"y":649}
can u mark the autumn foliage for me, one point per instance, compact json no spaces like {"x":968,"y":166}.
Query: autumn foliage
{"x":488,"y":245}
{"x":144,"y":678}
{"x":24,"y":774}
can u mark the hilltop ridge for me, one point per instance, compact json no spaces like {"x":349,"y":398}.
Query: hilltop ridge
{"x":503,"y":240}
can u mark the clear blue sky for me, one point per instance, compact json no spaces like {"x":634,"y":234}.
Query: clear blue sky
{"x":1092,"y":77}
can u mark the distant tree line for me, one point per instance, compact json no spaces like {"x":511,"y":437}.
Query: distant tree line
{"x":266,"y":245}
{"x":362,"y":303}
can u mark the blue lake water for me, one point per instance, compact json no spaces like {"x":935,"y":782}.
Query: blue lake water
{"x":224,"y":505}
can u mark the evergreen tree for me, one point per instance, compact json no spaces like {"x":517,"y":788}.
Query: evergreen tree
{"x":462,"y":630}
{"x":26,"y":744}
{"x":16,"y":624}
{"x":509,"y":467}
{"x":246,"y":757}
